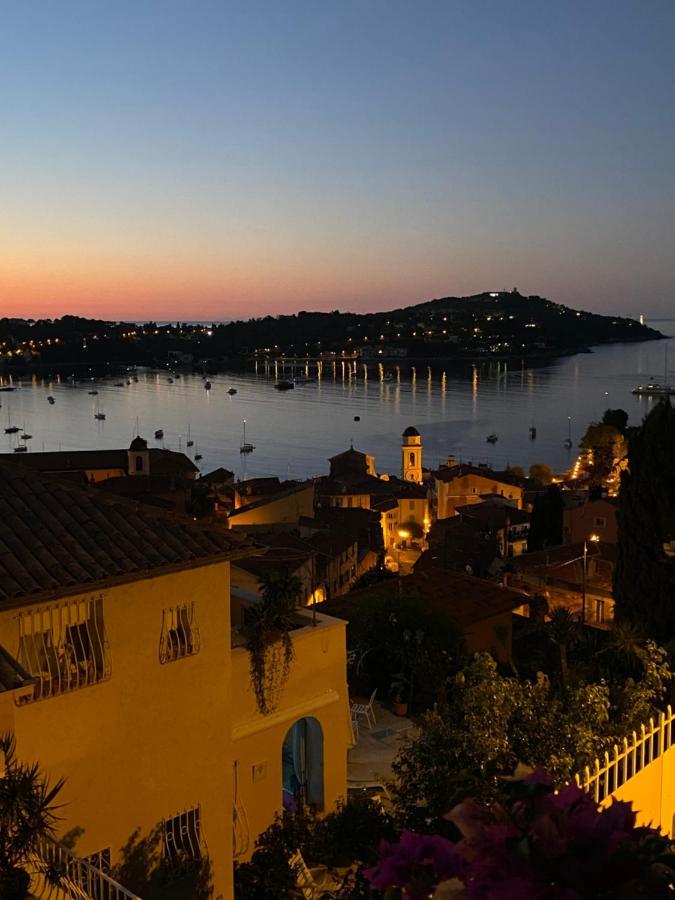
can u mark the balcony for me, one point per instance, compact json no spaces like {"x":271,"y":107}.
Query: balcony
{"x":64,"y":647}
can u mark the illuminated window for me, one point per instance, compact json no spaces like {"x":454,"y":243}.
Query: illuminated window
{"x":64,"y":646}
{"x":180,"y":635}
{"x":599,"y":522}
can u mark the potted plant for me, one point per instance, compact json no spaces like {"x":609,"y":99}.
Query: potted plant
{"x":400,"y":692}
{"x":27,"y":817}
{"x":266,"y":629}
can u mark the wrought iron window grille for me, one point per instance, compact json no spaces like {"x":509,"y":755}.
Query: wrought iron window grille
{"x":64,"y":646}
{"x":180,"y":635}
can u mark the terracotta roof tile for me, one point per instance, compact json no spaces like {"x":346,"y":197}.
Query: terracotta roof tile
{"x":55,"y":536}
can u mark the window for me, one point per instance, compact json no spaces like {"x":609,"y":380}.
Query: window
{"x":139,"y":463}
{"x":599,"y":522}
{"x":64,"y":646}
{"x":412,"y":459}
{"x":349,"y":501}
{"x":182,"y":835}
{"x":180,"y":635}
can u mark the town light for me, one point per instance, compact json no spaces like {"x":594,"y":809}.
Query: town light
{"x":402,"y":533}
{"x":594,"y":538}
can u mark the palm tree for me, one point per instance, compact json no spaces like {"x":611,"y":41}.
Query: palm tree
{"x":27,"y":817}
{"x":563,"y":630}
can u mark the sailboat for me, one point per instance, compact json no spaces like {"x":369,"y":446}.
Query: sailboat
{"x":11,"y":429}
{"x":198,"y":455}
{"x":189,"y":442}
{"x":245,"y":446}
{"x":98,"y":415}
{"x":568,"y":439}
{"x":653,"y":388}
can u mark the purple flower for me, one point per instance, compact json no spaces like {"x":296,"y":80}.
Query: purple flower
{"x":416,"y":864}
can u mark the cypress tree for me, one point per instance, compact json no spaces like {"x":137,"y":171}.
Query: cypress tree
{"x":644,"y":581}
{"x":546,"y":523}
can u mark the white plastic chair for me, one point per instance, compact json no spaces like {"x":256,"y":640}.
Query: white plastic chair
{"x":312,"y":883}
{"x":365,"y":709}
{"x":355,"y":729}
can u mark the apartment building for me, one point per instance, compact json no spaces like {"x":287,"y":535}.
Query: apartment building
{"x":123,"y":676}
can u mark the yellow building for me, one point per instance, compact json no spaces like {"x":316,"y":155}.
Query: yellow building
{"x":411,"y":456}
{"x":288,"y":503}
{"x":139,"y":697}
{"x":459,"y":485}
{"x":101,"y":465}
{"x":301,"y":747}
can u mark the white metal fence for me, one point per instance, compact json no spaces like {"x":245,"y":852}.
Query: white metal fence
{"x":636,"y":752}
{"x":57,"y":874}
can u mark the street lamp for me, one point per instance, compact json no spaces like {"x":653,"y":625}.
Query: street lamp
{"x":593,"y":538}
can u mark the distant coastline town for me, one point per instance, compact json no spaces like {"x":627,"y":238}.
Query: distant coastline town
{"x":493,"y":325}
{"x":333,"y":661}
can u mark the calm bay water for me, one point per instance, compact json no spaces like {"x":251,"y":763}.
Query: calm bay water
{"x":295,"y":432}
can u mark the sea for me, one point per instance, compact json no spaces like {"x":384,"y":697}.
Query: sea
{"x":295,"y":432}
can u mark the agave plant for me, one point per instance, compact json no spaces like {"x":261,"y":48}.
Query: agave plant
{"x":27,"y":817}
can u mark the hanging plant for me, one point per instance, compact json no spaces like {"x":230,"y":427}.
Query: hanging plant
{"x":268,"y":641}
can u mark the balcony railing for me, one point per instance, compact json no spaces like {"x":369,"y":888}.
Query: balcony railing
{"x":606,"y":777}
{"x":64,"y":647}
{"x":57,"y":874}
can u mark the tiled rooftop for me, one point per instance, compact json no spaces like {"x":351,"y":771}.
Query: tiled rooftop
{"x":162,"y":462}
{"x":56,"y":537}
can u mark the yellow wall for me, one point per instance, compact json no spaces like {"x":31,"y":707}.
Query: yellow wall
{"x":278,"y":509}
{"x":468,"y":489}
{"x":154,"y":739}
{"x":493,"y":634}
{"x":104,"y":474}
{"x":415,"y":510}
{"x":652,"y":793}
{"x":317,"y":686}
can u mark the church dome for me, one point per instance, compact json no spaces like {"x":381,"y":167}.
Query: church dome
{"x":138,"y":444}
{"x":411,"y":432}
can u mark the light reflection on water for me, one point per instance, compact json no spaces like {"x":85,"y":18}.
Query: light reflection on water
{"x":296,"y":431}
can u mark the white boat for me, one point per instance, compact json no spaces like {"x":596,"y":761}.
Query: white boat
{"x":245,"y":446}
{"x":653,"y":388}
{"x":492,"y":438}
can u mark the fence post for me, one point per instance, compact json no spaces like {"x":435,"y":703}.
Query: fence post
{"x":643,"y":740}
{"x":624,"y":778}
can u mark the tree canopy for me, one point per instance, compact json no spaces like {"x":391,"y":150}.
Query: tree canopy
{"x":644,"y":581}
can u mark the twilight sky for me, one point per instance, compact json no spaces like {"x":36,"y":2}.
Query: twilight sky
{"x":211,"y":159}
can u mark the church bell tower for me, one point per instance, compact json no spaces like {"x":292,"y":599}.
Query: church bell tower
{"x":411,"y":455}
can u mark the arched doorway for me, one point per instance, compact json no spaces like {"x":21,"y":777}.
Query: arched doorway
{"x":302,"y":764}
